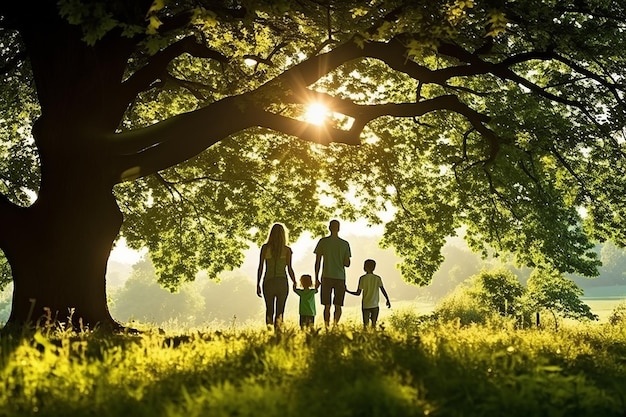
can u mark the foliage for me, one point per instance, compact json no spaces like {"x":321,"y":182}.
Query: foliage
{"x":613,"y":268}
{"x":459,"y":306}
{"x":406,"y":320}
{"x":499,"y":290}
{"x":5,"y":271}
{"x":441,"y":370}
{"x":505,"y":117}
{"x":487,"y":293}
{"x":180,"y":124}
{"x":550,"y":290}
{"x":142,"y":301}
{"x":618,"y":315}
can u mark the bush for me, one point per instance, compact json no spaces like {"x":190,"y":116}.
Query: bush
{"x":406,"y":321}
{"x":618,"y":315}
{"x":461,"y":306}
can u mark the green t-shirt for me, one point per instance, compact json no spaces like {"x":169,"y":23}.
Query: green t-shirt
{"x":275,"y":266}
{"x":307,"y":301}
{"x":334,"y":251}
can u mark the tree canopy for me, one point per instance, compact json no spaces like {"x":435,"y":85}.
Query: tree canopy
{"x":505,"y":118}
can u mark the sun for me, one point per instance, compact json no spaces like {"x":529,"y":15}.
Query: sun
{"x":316,"y":113}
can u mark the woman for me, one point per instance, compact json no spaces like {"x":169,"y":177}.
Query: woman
{"x":276,"y":259}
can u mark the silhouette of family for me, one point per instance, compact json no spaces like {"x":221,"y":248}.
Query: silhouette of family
{"x":332,"y":257}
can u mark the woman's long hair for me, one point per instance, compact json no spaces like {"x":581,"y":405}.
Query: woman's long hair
{"x":277,"y":240}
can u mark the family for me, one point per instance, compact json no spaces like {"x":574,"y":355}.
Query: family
{"x":332,"y":257}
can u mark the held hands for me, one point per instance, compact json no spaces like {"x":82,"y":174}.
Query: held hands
{"x":295,"y":286}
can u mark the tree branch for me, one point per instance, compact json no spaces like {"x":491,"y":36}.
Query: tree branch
{"x":551,"y":55}
{"x":144,"y":151}
{"x":164,"y":144}
{"x":363,"y":114}
{"x":156,"y":66}
{"x":573,"y":173}
{"x":503,"y":71}
{"x":268,"y":60}
{"x":392,"y":53}
{"x":306,"y":131}
{"x":194,"y":88}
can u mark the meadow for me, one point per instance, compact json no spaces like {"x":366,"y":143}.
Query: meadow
{"x":603,"y":300}
{"x":412,"y":366}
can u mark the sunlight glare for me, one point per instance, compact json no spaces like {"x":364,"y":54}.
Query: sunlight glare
{"x":316,"y":113}
{"x":250,"y":62}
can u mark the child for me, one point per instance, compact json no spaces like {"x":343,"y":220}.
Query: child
{"x":369,"y":284}
{"x":307,"y":300}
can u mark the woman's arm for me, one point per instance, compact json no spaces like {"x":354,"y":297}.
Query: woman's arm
{"x":292,"y":275}
{"x":259,"y":271}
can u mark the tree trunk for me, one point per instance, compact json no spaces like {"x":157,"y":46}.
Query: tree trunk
{"x":59,"y":261}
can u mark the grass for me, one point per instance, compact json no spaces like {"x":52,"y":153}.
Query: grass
{"x":414,"y":367}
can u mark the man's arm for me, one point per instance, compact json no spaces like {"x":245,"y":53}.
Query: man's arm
{"x":358,"y":288}
{"x":318,"y":262}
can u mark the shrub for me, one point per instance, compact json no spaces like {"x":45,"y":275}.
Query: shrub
{"x":406,"y":321}
{"x":462,"y":306}
{"x":498,"y":289}
{"x":618,"y":315}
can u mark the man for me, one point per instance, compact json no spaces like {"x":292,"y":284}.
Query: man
{"x":336,"y":254}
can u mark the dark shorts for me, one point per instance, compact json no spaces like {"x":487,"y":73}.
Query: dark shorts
{"x":307,"y":321}
{"x":370,"y":315}
{"x":330,"y":285}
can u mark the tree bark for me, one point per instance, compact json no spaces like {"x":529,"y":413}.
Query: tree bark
{"x":59,"y":260}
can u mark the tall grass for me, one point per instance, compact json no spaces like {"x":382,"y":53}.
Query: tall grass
{"x":413,"y":367}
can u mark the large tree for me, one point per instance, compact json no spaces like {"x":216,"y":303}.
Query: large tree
{"x":178,"y":125}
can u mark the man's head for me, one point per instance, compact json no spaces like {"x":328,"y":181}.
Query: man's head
{"x":333,"y":226}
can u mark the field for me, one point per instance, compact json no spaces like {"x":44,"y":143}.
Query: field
{"x":603,"y":300}
{"x":412,"y":367}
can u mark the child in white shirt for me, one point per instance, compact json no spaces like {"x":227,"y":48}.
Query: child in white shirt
{"x":370,"y":284}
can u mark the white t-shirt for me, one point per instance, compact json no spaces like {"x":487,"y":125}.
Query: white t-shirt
{"x":370,"y":285}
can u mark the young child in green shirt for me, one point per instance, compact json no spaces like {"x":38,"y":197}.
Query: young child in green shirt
{"x":307,"y":300}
